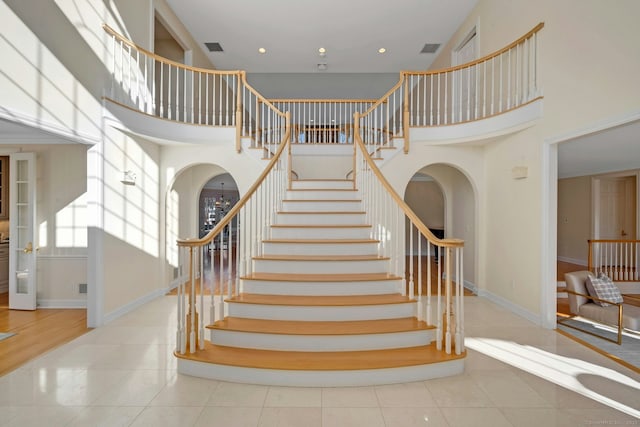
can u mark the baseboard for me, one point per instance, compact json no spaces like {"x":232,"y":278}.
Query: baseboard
{"x":4,"y":289}
{"x":110,"y":317}
{"x":62,"y":303}
{"x":514,"y":308}
{"x":471,"y":286}
{"x":573,"y":261}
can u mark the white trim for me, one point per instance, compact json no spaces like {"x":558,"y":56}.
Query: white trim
{"x":71,"y":135}
{"x":514,"y":308}
{"x":549,"y":235}
{"x":132,"y":305}
{"x":62,"y":303}
{"x":289,"y":378}
{"x":573,"y":260}
{"x":471,"y":286}
{"x":594,"y":127}
{"x":52,"y":257}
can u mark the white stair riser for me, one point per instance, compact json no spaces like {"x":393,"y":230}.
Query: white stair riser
{"x":320,"y":219}
{"x":282,"y":342}
{"x":320,"y":267}
{"x":322,"y":206}
{"x":271,"y":248}
{"x":322,"y":195}
{"x":298,"y":378}
{"x":320,"y":232}
{"x":372,"y":287}
{"x":322,"y":313}
{"x":321,"y":185}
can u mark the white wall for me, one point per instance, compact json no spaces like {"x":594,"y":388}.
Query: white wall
{"x":323,"y":86}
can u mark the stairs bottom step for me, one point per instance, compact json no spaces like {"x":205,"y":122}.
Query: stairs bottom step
{"x":323,"y":369}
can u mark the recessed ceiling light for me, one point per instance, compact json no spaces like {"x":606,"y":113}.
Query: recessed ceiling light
{"x":262,"y":50}
{"x":322,"y":50}
{"x":382,"y":50}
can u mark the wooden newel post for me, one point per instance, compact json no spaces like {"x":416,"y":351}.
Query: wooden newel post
{"x":192,"y":313}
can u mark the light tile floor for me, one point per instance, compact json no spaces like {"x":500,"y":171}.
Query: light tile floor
{"x":516,"y":374}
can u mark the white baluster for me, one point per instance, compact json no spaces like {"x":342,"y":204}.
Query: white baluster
{"x":201,"y":322}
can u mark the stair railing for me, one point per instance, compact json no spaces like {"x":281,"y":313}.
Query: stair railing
{"x":214,"y":263}
{"x":322,"y":121}
{"x":618,"y":259}
{"x":491,"y":85}
{"x":405,"y":239}
{"x":153,"y":85}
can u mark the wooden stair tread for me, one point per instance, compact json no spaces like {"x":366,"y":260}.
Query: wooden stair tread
{"x":320,"y":361}
{"x":329,"y":241}
{"x":321,"y":258}
{"x":322,"y":189}
{"x":298,"y":277}
{"x":322,"y":212}
{"x":321,"y":225}
{"x":320,"y":300}
{"x":322,"y":180}
{"x":352,"y":327}
{"x":324,"y":200}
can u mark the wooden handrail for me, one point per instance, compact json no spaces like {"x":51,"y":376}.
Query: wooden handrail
{"x":384,"y":97}
{"x":450,"y":243}
{"x":319,"y":100}
{"x":480,"y":60}
{"x":111,"y":31}
{"x":243,"y":76}
{"x":232,"y":213}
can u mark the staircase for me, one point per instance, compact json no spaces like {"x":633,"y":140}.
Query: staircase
{"x":320,"y":306}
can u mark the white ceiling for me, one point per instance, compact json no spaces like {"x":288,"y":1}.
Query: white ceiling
{"x":351,"y":31}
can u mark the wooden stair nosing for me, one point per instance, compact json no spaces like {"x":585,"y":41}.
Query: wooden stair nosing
{"x":293,"y":257}
{"x":321,"y":225}
{"x":322,"y":189}
{"x":321,"y":212}
{"x":320,"y":361}
{"x":321,"y":180}
{"x":323,"y":328}
{"x":297,"y":277}
{"x":321,"y":241}
{"x":321,"y":300}
{"x":324,"y":200}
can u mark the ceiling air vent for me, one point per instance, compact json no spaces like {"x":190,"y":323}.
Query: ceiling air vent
{"x":214,"y":47}
{"x":430,"y":48}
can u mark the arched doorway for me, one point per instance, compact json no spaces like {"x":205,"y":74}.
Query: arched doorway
{"x":443,"y":198}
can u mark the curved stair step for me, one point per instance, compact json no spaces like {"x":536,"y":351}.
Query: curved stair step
{"x":318,"y":264}
{"x":320,"y":369}
{"x":320,"y":231}
{"x":321,"y":335}
{"x":321,"y":284}
{"x":321,"y":308}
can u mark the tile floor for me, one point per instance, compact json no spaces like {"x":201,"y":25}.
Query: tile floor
{"x":516,"y":374}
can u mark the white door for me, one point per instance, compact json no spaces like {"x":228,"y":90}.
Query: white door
{"x":22,"y":253}
{"x":617,"y":213}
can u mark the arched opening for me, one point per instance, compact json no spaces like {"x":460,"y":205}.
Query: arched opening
{"x":443,"y":198}
{"x":217,"y":197}
{"x":190,"y":200}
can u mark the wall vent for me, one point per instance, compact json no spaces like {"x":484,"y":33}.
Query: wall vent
{"x":430,"y":48}
{"x":82,"y":288}
{"x":214,"y":47}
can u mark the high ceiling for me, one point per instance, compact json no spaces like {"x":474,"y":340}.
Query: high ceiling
{"x":351,"y":32}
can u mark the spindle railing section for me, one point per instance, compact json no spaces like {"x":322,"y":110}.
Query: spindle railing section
{"x":210,"y":267}
{"x":488,"y":86}
{"x":146,"y":82}
{"x":322,"y":121}
{"x":494,"y":84}
{"x":402,"y":235}
{"x":618,"y":259}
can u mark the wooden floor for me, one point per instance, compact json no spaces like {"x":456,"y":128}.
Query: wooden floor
{"x":36,"y":332}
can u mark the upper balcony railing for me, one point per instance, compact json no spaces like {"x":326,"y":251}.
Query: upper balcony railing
{"x":148,"y":83}
{"x":492,"y":85}
{"x":488,"y":86}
